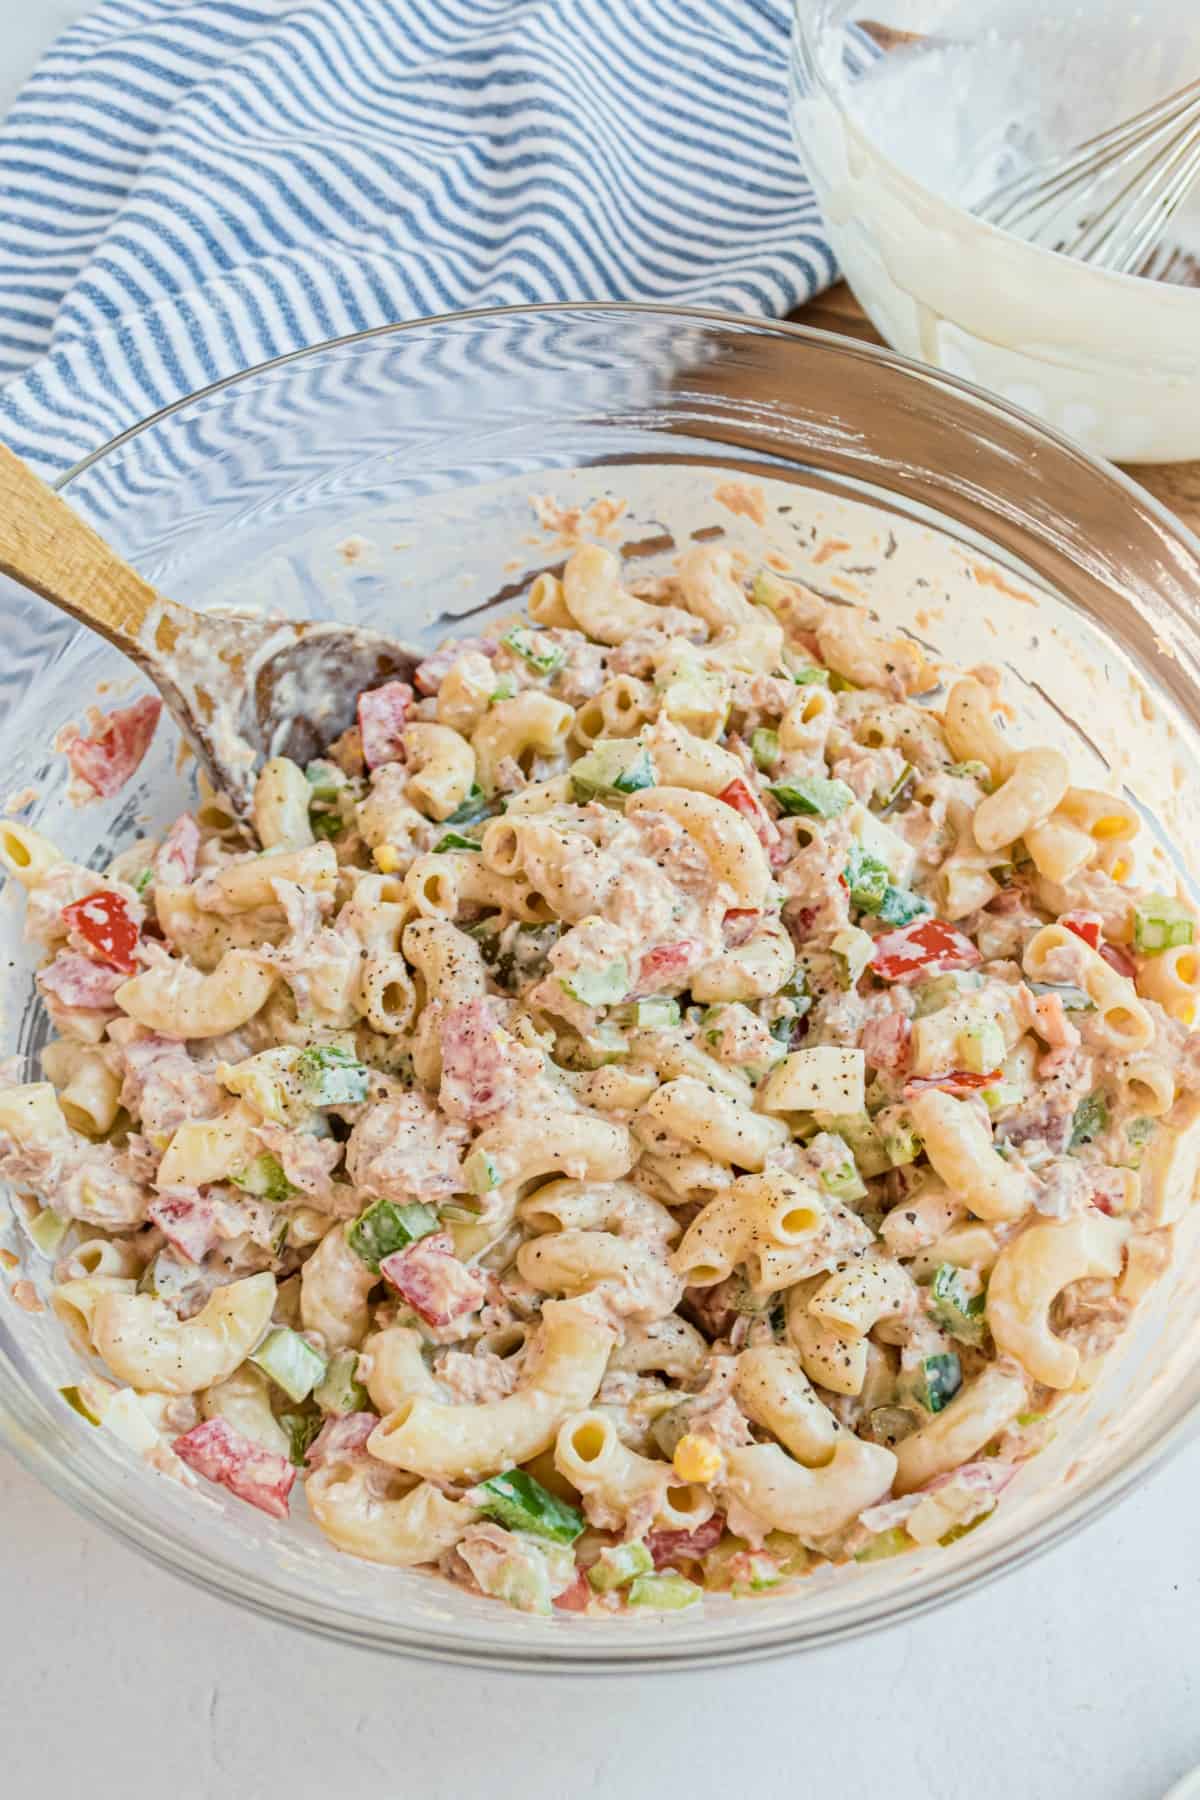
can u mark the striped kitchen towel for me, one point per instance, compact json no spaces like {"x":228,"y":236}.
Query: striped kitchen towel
{"x":189,"y":187}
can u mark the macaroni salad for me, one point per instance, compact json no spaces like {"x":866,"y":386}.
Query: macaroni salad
{"x":677,"y":1099}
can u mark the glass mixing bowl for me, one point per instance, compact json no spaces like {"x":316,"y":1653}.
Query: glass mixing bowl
{"x":900,"y":145}
{"x":386,"y":478}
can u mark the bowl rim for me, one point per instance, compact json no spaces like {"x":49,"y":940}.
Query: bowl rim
{"x":572,"y":1654}
{"x":806,"y":24}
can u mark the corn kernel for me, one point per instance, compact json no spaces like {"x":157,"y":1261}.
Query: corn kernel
{"x":696,"y":1458}
{"x":1110,"y":827}
{"x":1185,"y":1011}
{"x":1120,"y":869}
{"x":387,"y":858}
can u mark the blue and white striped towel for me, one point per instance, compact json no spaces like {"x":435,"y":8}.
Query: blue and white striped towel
{"x":188,"y":187}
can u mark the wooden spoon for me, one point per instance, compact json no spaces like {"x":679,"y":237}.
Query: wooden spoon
{"x":241,"y":688}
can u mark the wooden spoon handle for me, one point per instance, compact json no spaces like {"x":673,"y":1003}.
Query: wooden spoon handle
{"x":46,"y":546}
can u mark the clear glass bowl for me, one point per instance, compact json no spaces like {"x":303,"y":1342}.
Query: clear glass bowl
{"x":425,"y":441}
{"x":900,"y":145}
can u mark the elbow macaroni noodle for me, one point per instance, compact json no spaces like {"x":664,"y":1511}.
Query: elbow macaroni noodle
{"x":667,"y":1128}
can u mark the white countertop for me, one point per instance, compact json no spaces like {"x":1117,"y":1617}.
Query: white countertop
{"x":1075,"y":1679}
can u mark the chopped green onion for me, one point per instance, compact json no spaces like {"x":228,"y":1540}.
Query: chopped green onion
{"x":290,"y":1361}
{"x":325,"y":779}
{"x":265,"y":1179}
{"x":602,"y":986}
{"x":955,"y":1308}
{"x":385,"y":1228}
{"x":972,"y":770}
{"x":523,"y":641}
{"x":619,"y":1564}
{"x":813,"y":797}
{"x":811,"y":675}
{"x":764,"y":748}
{"x":1073,"y":998}
{"x":332,"y":1076}
{"x":516,"y":1500}
{"x":143,"y":882}
{"x":900,"y":906}
{"x":48,"y":1231}
{"x":1091,"y":1118}
{"x":939,"y":1379}
{"x":612,"y":766}
{"x":340,"y":1391}
{"x":887,"y":1543}
{"x":867,"y":879}
{"x":664,"y":1593}
{"x":301,"y":1429}
{"x":1138,"y":1133}
{"x":1161,"y":923}
{"x":505,"y":689}
{"x":454,"y":840}
{"x":475,"y":807}
{"x":659,"y":1013}
{"x":327,"y":825}
{"x":76,"y":1401}
{"x":1026,"y":1419}
{"x":882,"y":798}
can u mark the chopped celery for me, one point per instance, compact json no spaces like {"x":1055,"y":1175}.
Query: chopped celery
{"x":1091,"y":1118}
{"x":618,"y":1565}
{"x":867,"y":879}
{"x":614,"y":766}
{"x":955,"y":1308}
{"x":852,"y":951}
{"x":331,"y":1076}
{"x":325,"y":779}
{"x":1138,"y":1132}
{"x":454,"y":840}
{"x":885,"y":1544}
{"x":265,"y":1179}
{"x":900,"y":1140}
{"x":1073,"y":998}
{"x":516,"y":1500}
{"x":698,"y":699}
{"x":505,"y":689}
{"x":77,"y":1403}
{"x":900,"y":906}
{"x":938,"y":1380}
{"x":845,"y":1182}
{"x":764,"y":748}
{"x":290,"y":1361}
{"x":942,"y":990}
{"x":167,"y":1277}
{"x":602,"y":986}
{"x":664,"y":1593}
{"x":811,"y":675}
{"x":1161,"y":923}
{"x":326,"y":825}
{"x":659,"y":1013}
{"x":301,"y":1429}
{"x":340,"y":1391}
{"x":1026,"y":1419}
{"x":48,"y":1231}
{"x":760,"y":1573}
{"x":385,"y":1228}
{"x":813,"y":796}
{"x":981,"y":1046}
{"x":475,"y":807}
{"x":525,"y":644}
{"x":866,"y":1145}
{"x":481,"y":1172}
{"x":890,"y":1425}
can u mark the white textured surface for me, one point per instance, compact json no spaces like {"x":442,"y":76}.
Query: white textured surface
{"x":1073,"y":1680}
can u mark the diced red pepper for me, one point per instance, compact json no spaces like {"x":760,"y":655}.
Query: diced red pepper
{"x":577,"y":1597}
{"x":221,"y":1454}
{"x":103,"y":921}
{"x":107,"y":759}
{"x":430,"y":1277}
{"x":187,"y":1221}
{"x":1088,"y":926}
{"x":670,"y":1547}
{"x":669,"y":965}
{"x":79,"y":981}
{"x":742,"y":798}
{"x":175,"y":860}
{"x":739,"y":926}
{"x":926,"y":947}
{"x":953,"y":1081}
{"x":885,"y":1042}
{"x":382,"y":714}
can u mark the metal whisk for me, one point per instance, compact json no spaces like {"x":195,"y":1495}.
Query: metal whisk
{"x":1069,"y":203}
